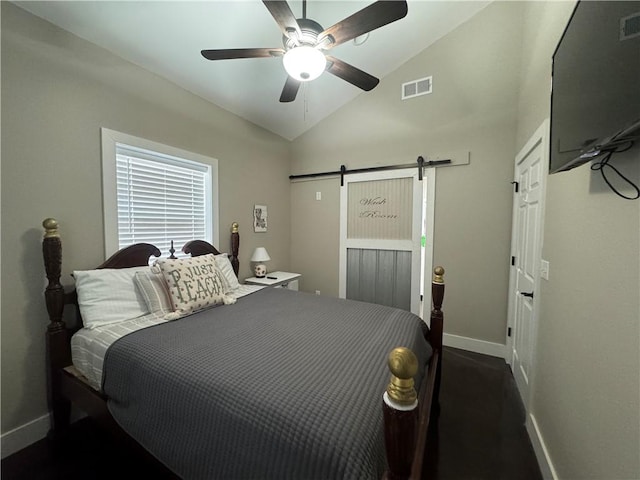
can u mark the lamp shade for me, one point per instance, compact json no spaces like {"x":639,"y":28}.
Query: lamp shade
{"x":304,"y":63}
{"x":260,"y":255}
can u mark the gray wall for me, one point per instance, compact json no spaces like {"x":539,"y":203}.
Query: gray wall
{"x":491,"y":91}
{"x":472,"y":108}
{"x":57,"y":91}
{"x":586,"y":392}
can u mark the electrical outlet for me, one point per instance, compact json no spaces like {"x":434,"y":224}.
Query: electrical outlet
{"x":544,"y":269}
{"x":318,"y":195}
{"x":317,"y":292}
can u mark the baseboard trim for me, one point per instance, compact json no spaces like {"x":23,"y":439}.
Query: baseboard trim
{"x":23,"y":436}
{"x":540,"y":449}
{"x":474,"y":345}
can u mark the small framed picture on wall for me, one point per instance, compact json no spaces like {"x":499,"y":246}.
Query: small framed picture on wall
{"x":259,"y":218}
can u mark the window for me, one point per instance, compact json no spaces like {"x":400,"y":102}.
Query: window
{"x":156,"y":194}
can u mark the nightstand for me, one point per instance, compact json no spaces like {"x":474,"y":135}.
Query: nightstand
{"x":276,"y":279}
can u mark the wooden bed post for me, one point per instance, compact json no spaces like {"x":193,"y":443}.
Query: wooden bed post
{"x":437,"y":329}
{"x":400,"y":409}
{"x":58,"y":350}
{"x":406,"y":425}
{"x":235,"y":247}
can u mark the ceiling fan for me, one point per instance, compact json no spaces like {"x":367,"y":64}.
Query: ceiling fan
{"x":305,"y":42}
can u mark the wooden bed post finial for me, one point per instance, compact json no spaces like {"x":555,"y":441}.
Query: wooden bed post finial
{"x":403,"y":365}
{"x":51,"y":228}
{"x":438,"y":273}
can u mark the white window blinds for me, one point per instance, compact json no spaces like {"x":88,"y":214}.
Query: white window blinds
{"x":161,"y":198}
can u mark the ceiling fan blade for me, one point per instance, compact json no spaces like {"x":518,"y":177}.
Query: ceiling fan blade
{"x":230,"y":53}
{"x":284,"y":17}
{"x":290,"y":90}
{"x":369,"y":18}
{"x":351,"y":74}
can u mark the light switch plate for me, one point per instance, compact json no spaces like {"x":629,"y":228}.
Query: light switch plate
{"x":544,"y":269}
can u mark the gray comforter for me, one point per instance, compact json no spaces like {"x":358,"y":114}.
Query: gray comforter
{"x":280,"y":385}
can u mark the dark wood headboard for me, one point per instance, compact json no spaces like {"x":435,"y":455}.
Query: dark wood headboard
{"x":132,"y":256}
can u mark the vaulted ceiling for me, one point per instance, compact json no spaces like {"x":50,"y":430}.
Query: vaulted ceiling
{"x":166,"y":37}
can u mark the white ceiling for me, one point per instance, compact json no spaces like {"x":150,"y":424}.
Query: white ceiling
{"x":165,"y":37}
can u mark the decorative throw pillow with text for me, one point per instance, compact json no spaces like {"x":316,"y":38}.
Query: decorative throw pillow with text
{"x":194,"y":284}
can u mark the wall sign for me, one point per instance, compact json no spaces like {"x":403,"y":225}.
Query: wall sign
{"x":259,"y":218}
{"x":380,"y":209}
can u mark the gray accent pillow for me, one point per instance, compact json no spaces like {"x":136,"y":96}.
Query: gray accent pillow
{"x":154,"y":291}
{"x":223,"y":263}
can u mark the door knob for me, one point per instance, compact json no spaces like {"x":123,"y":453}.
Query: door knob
{"x":527,"y":294}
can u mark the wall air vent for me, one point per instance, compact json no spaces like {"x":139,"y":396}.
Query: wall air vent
{"x":630,"y":26}
{"x":415,"y":88}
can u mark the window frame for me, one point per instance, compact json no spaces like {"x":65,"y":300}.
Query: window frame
{"x":110,"y":140}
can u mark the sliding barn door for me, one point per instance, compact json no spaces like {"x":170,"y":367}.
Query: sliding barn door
{"x":381,"y":232}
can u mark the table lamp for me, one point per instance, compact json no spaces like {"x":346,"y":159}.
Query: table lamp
{"x":259,"y":256}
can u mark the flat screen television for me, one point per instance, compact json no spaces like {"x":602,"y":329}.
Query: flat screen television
{"x":595,"y":98}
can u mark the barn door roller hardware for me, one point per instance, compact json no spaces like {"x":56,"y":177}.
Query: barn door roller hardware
{"x":421,"y":163}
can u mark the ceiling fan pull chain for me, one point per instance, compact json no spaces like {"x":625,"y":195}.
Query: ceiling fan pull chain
{"x":306,"y":102}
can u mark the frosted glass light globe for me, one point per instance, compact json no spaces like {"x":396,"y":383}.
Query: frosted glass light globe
{"x":304,"y":63}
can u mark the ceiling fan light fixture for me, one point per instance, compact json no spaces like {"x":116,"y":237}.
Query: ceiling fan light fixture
{"x":304,"y":63}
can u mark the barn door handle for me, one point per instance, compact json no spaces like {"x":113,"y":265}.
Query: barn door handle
{"x":527,"y":294}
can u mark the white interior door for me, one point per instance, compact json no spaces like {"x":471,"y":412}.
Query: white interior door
{"x":531,"y":169}
{"x":382,"y":251}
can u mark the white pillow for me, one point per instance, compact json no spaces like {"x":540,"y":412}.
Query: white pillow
{"x":194,"y":284}
{"x":108,"y":295}
{"x":223,"y":263}
{"x":154,"y":291}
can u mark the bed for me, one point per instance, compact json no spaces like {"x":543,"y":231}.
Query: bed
{"x":266,"y":383}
